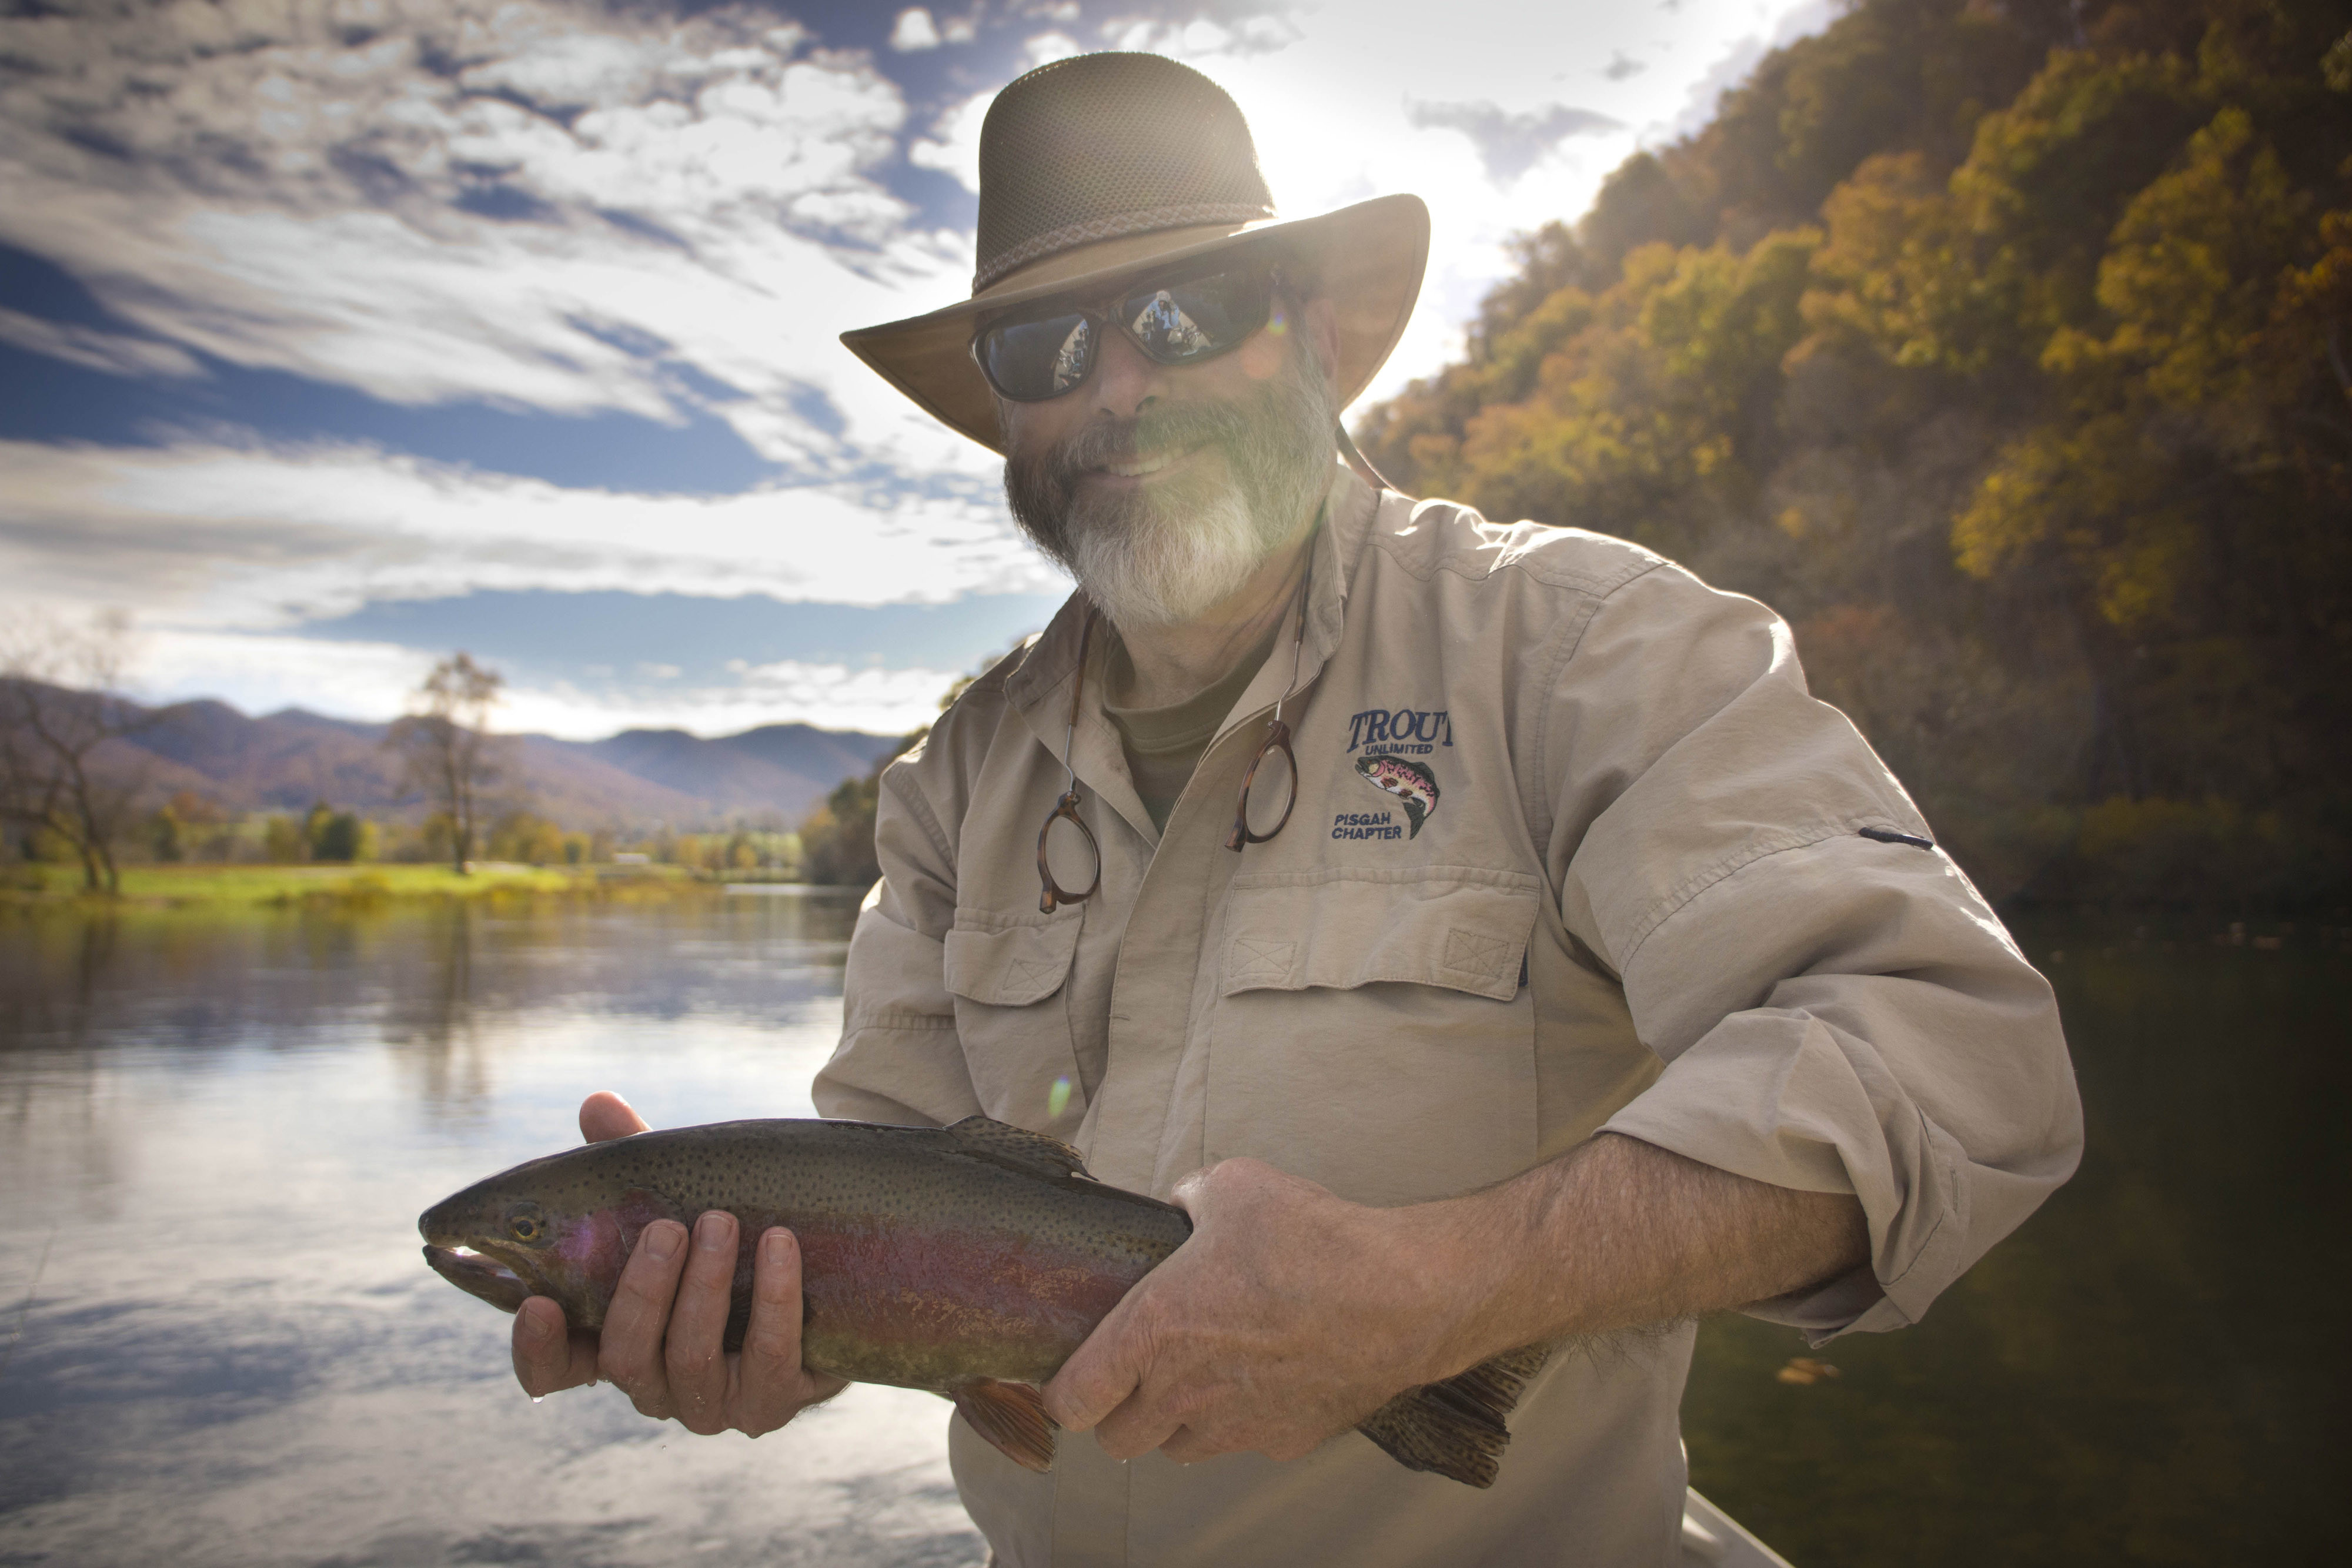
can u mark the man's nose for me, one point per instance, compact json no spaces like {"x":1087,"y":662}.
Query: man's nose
{"x":1125,"y":380}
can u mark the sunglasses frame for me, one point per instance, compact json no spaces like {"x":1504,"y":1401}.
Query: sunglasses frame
{"x":1099,"y":315}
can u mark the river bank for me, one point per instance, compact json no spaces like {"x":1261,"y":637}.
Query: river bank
{"x":230,"y":887}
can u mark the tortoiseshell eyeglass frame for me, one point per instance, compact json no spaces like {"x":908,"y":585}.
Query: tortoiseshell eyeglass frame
{"x":1277,"y":735}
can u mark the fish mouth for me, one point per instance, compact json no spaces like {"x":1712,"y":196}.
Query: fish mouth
{"x":478,"y":1274}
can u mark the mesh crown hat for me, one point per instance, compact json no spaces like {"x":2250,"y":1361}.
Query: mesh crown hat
{"x":1101,"y":166}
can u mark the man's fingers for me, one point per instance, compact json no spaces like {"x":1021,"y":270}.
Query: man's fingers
{"x":770,"y":1367}
{"x":1139,"y":1425}
{"x":695,"y":1357}
{"x":1187,"y":1447}
{"x":1100,"y":1375}
{"x":638,"y":1317}
{"x":547,"y":1357}
{"x":605,"y":1116}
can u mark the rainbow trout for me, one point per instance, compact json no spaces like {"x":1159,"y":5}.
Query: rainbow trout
{"x":970,"y":1260}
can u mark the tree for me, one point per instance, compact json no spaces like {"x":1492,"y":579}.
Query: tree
{"x":447,"y":751}
{"x":61,"y":704}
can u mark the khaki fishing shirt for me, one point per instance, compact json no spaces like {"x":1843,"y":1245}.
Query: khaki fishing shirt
{"x":1630,"y":881}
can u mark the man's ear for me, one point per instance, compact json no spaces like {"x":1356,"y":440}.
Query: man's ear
{"x":1319,"y":326}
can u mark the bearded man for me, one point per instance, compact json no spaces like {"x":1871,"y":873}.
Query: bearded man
{"x":1477,"y":928}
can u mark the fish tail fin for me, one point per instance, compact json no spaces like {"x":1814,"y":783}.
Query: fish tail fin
{"x":1012,"y":1416}
{"x":1455,"y":1427}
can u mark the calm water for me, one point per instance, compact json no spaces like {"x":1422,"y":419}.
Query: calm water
{"x":220,"y":1345}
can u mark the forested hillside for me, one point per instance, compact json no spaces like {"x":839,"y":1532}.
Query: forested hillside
{"x":2006,"y":349}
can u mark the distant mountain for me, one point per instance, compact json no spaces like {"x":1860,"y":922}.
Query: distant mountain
{"x":283,"y":761}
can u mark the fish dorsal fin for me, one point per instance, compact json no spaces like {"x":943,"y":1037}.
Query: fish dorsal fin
{"x":1033,"y":1153}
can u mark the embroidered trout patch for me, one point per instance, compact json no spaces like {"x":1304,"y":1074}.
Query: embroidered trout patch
{"x":1409,"y":782}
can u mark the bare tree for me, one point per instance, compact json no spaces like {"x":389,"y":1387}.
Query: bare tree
{"x":61,"y":702}
{"x":447,"y":751}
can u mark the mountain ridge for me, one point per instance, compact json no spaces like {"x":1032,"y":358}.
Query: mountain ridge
{"x":287,"y":759}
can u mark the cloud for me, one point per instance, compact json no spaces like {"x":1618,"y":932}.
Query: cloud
{"x":1510,"y":144}
{"x":914,"y":31}
{"x":109,"y":352}
{"x":566,"y":209}
{"x":448,"y":205}
{"x":258,"y":537}
{"x":374,"y":681}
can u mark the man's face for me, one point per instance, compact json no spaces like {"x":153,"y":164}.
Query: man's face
{"x":1163,"y":488}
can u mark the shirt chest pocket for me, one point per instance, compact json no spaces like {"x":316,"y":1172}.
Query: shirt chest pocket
{"x":1008,"y":972}
{"x":1371,"y":1032}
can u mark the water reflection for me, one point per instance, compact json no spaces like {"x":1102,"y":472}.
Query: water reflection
{"x":2150,"y":1371}
{"x":221,"y":1131}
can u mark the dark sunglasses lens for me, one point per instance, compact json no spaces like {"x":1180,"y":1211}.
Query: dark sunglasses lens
{"x":1198,"y":317}
{"x":1031,"y":361}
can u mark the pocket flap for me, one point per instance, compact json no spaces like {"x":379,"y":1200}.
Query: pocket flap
{"x":1011,"y":960}
{"x":1459,"y":928}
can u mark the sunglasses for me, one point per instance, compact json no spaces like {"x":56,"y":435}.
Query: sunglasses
{"x":1042,"y":353}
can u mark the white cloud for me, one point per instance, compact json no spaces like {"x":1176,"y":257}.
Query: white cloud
{"x":225,"y":538}
{"x":914,"y":31}
{"x":953,"y":146}
{"x":1047,"y":47}
{"x":370,"y":680}
{"x":360,"y":213}
{"x":92,"y":350}
{"x":374,"y":681}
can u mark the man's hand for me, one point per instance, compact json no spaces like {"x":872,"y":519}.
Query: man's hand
{"x":1290,"y":1315}
{"x":663,"y":1332}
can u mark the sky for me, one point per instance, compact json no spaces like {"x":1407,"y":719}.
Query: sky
{"x":339,"y":334}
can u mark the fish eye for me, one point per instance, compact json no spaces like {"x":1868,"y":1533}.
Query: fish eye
{"x":525,"y":1223}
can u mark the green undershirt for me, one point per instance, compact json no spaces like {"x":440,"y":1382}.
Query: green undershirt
{"x":1163,"y":745}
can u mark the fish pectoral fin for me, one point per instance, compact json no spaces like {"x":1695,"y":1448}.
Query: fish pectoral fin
{"x":1012,"y":1416}
{"x":1454,"y":1428}
{"x":985,"y":1138}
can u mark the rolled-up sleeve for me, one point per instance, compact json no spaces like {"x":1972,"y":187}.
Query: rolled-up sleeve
{"x":1836,"y":1012}
{"x":899,"y":1060}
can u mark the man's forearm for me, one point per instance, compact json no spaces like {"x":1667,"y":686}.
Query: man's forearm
{"x":1620,"y":1233}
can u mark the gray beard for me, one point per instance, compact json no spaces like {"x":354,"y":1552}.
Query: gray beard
{"x":1160,"y":556}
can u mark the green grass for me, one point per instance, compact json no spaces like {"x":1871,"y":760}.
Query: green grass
{"x":291,"y":884}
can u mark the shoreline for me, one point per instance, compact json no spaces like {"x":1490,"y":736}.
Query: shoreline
{"x":223,"y":887}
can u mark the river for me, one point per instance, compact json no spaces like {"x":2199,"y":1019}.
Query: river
{"x":220,"y":1344}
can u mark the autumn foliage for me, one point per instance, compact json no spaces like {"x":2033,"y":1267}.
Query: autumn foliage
{"x":2007,"y":351}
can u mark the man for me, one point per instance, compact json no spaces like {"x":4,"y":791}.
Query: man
{"x":1477,"y":928}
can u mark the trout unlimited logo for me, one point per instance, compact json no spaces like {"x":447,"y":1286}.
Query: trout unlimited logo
{"x":1389,"y":739}
{"x":1414,"y":786}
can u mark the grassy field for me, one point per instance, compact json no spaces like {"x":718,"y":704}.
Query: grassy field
{"x":290,"y":885}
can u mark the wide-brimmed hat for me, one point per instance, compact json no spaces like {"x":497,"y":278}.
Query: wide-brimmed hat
{"x":1100,"y":166}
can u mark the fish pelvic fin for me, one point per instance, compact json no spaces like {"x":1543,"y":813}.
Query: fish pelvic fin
{"x":1454,"y":1428}
{"x":1011,"y":1415}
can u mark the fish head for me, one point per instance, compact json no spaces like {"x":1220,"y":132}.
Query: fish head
{"x":539,"y":1230}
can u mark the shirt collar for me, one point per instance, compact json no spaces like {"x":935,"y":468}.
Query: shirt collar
{"x":1039,"y":689}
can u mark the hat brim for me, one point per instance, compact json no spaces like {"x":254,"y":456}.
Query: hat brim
{"x":1369,"y":258}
